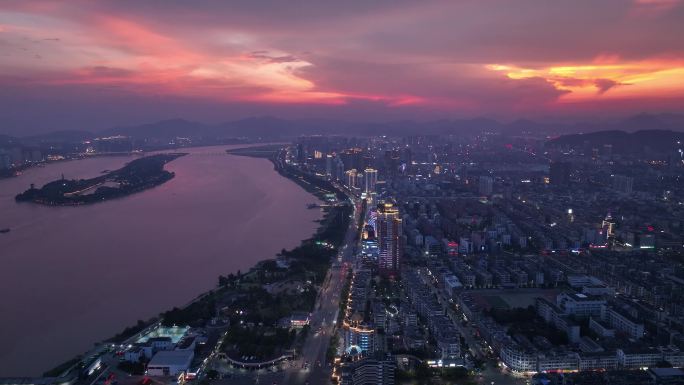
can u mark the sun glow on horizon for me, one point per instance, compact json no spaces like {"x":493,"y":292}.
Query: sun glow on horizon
{"x":612,"y":80}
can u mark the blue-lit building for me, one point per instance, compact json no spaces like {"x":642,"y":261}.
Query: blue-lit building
{"x":359,"y":339}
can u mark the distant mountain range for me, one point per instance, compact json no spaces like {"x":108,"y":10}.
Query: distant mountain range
{"x":270,"y":128}
{"x":623,"y":142}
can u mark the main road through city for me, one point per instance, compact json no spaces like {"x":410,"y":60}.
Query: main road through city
{"x":311,"y":366}
{"x":324,"y":316}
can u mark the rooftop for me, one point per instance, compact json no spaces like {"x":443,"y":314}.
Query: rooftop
{"x":172,"y":357}
{"x":667,"y":372}
{"x":176,"y":333}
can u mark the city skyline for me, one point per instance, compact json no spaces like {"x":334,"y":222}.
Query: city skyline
{"x":384,"y":192}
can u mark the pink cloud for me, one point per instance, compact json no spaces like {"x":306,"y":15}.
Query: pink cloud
{"x":400,"y":54}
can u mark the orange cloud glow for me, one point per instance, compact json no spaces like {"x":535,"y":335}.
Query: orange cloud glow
{"x":606,"y":78}
{"x":439,"y":58}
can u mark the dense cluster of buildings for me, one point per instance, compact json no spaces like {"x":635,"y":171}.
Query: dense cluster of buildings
{"x":15,"y":155}
{"x":550,"y":258}
{"x":585,"y":241}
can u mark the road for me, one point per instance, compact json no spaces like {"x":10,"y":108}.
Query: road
{"x":311,"y":366}
{"x":492,"y":374}
{"x":323,"y":319}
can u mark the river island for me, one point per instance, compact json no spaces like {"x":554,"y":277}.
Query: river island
{"x":136,"y":176}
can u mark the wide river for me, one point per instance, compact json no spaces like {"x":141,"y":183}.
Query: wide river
{"x":72,"y":276}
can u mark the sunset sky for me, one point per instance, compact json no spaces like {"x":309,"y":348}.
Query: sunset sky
{"x":96,"y":64}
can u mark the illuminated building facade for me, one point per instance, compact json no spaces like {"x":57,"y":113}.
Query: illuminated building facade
{"x":376,"y":371}
{"x":351,"y":178}
{"x":113,"y":144}
{"x":371,"y":179}
{"x":608,"y":226}
{"x":329,"y":166}
{"x":359,"y":337}
{"x":451,"y":248}
{"x":369,"y":245}
{"x":389,"y":231}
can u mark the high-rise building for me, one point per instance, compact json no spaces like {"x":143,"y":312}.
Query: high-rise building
{"x":559,"y":173}
{"x":406,"y":156}
{"x":352,"y":158}
{"x":647,"y":241}
{"x":676,"y":159}
{"x":339,"y":169}
{"x":351,"y":178}
{"x":392,"y":162}
{"x":486,"y":185}
{"x":608,"y":226}
{"x":389,"y":233}
{"x":16,"y":156}
{"x":359,"y":338}
{"x":328,"y":166}
{"x":5,"y":160}
{"x":608,"y":150}
{"x":301,"y":153}
{"x":371,"y":179}
{"x":31,"y":155}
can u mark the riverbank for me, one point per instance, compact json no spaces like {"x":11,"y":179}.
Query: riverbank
{"x":266,"y":151}
{"x":117,"y":264}
{"x":259,"y":292}
{"x":318,"y":187}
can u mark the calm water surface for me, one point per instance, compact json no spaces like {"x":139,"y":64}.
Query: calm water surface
{"x":71,"y":276}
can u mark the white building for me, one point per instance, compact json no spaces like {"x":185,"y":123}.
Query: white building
{"x":638,"y":358}
{"x":170,"y":363}
{"x":623,"y":322}
{"x":580,"y":304}
{"x":369,"y":371}
{"x":556,"y":362}
{"x":134,"y":354}
{"x":674,"y":356}
{"x":370,"y":180}
{"x":598,"y":361}
{"x":599,"y":328}
{"x":161,"y":343}
{"x":518,"y":359}
{"x":450,"y":348}
{"x":553,"y":315}
{"x":452,"y":284}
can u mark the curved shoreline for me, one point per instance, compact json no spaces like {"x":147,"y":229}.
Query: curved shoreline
{"x":131,"y":333}
{"x":211,"y":224}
